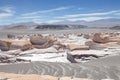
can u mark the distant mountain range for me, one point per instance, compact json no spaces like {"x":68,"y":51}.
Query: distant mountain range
{"x":20,"y":24}
{"x":98,"y":23}
{"x":107,"y":23}
{"x":104,"y":23}
{"x":24,"y":25}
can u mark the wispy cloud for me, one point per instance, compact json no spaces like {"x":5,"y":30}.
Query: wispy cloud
{"x":6,"y":12}
{"x":89,"y":14}
{"x":30,"y":17}
{"x":37,"y":16}
{"x":88,"y":18}
{"x":47,"y":11}
{"x":53,"y":21}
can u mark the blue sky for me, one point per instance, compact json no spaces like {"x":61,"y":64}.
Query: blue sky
{"x":50,"y":11}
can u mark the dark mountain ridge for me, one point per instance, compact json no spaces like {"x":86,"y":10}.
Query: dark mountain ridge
{"x":116,"y":27}
{"x":51,"y":26}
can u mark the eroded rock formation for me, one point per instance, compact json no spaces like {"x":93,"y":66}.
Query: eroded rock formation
{"x":42,"y":42}
{"x":98,"y":38}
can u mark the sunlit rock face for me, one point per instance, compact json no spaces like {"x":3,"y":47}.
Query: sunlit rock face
{"x":73,"y":47}
{"x":23,"y":45}
{"x":8,"y":44}
{"x":98,"y":38}
{"x":41,"y":42}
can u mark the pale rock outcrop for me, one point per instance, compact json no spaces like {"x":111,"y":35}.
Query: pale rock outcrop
{"x":45,"y":45}
{"x":59,"y":46}
{"x":100,"y":46}
{"x":10,"y":36}
{"x":5,"y":56}
{"x":105,"y":38}
{"x":89,"y":52}
{"x":95,"y":46}
{"x":13,"y":52}
{"x":20,"y":37}
{"x":98,"y":38}
{"x":38,"y":40}
{"x":111,"y":44}
{"x":40,"y":51}
{"x":22,"y":45}
{"x":84,"y":55}
{"x":7,"y":44}
{"x":77,"y":47}
{"x":79,"y":35}
{"x":42,"y":42}
{"x":86,"y":36}
{"x":114,"y":39}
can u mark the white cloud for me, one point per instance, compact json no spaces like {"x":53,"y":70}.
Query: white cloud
{"x":6,"y":12}
{"x":29,"y":17}
{"x":7,"y":9}
{"x":89,"y":14}
{"x":53,"y":21}
{"x":88,"y":18}
{"x":3,"y":15}
{"x":38,"y":15}
{"x":46,"y":11}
